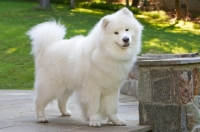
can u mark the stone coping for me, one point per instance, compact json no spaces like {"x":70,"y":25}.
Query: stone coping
{"x":144,"y":61}
{"x":168,"y":56}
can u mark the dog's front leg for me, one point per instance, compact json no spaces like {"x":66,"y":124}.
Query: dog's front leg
{"x":90,"y":102}
{"x":111,"y":101}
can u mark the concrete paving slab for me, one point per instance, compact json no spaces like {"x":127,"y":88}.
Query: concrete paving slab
{"x":17,"y":114}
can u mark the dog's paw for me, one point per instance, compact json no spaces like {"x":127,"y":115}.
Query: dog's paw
{"x":117,"y":121}
{"x":94,"y":121}
{"x":120,"y":122}
{"x":67,"y":113}
{"x":42,"y":120}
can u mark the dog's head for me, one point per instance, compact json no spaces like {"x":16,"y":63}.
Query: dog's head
{"x":121,"y":31}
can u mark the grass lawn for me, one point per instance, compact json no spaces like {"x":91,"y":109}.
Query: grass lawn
{"x":16,"y":18}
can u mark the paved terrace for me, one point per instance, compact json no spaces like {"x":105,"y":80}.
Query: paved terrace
{"x":17,"y":114}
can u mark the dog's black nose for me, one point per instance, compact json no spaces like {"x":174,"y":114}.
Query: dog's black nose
{"x":126,"y":39}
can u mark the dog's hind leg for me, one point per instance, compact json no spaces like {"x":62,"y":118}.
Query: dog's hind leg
{"x":62,"y":102}
{"x":43,"y":96}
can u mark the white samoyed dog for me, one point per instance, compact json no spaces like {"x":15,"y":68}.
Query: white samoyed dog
{"x":95,"y":66}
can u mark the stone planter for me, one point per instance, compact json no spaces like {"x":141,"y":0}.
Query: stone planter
{"x":130,"y":86}
{"x":168,"y":94}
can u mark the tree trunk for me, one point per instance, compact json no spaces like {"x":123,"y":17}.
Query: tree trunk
{"x":127,"y":2}
{"x":72,"y":4}
{"x":187,"y":10}
{"x":165,"y":6}
{"x":45,"y":4}
{"x":178,"y":9}
{"x":135,"y":3}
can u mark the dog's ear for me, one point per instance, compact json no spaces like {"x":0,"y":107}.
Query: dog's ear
{"x":104,"y":23}
{"x":126,"y":11}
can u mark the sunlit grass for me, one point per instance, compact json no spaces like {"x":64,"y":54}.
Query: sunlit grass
{"x":162,"y":35}
{"x":80,"y":31}
{"x":158,"y":15}
{"x":189,"y":26}
{"x":11,"y":50}
{"x":82,"y":10}
{"x":160,"y":19}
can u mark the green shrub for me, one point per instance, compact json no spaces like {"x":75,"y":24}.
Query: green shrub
{"x":61,"y":1}
{"x":159,"y":15}
{"x":105,"y":6}
{"x":196,"y":26}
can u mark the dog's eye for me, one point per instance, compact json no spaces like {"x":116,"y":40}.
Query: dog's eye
{"x":127,"y":29}
{"x":116,"y":33}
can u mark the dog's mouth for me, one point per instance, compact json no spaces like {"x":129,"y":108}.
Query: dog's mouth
{"x":125,"y":45}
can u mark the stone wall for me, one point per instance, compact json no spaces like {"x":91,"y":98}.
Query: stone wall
{"x":130,"y":86}
{"x":167,"y":90}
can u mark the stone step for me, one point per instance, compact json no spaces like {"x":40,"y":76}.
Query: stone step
{"x":17,"y":113}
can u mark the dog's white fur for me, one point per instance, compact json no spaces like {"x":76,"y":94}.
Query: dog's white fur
{"x":94,"y":66}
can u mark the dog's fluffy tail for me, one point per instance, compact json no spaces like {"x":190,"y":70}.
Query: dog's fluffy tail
{"x":45,"y":34}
